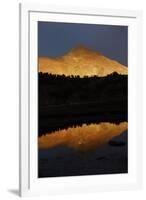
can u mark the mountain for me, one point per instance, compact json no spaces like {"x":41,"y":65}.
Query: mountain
{"x":81,"y":61}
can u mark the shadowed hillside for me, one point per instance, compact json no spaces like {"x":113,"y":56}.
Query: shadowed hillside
{"x":66,"y":101}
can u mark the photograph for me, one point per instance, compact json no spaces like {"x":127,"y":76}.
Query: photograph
{"x":82,"y":99}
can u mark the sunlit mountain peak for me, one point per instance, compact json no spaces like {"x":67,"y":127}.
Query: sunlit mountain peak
{"x":81,"y":61}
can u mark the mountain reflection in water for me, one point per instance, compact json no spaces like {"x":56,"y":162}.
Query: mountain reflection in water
{"x":83,"y":138}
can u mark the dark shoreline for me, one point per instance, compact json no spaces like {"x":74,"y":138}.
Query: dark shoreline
{"x":69,"y":101}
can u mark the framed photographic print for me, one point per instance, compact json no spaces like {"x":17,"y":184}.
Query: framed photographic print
{"x":80,"y":99}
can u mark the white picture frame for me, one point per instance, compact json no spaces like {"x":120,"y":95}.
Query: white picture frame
{"x":29,"y":184}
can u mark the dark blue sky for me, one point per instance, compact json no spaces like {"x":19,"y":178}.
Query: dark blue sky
{"x":56,"y":39}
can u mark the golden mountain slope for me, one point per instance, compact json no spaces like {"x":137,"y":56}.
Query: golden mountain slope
{"x":81,"y":61}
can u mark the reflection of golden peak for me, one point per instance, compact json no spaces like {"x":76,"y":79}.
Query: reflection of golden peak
{"x":81,"y":61}
{"x":83,"y":138}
